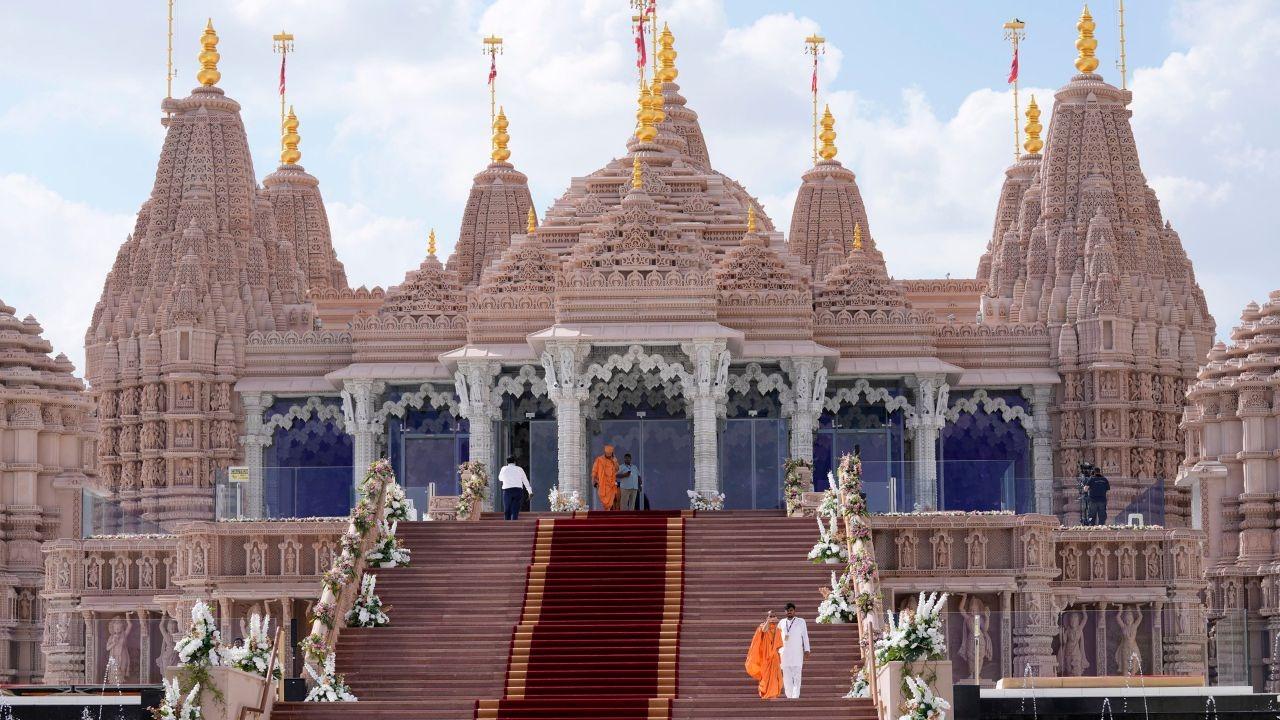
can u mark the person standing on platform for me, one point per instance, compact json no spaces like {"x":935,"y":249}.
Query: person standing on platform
{"x":514,"y":485}
{"x":604,"y":476}
{"x":764,"y":657}
{"x":1097,"y":486}
{"x":629,"y":483}
{"x":795,"y":648}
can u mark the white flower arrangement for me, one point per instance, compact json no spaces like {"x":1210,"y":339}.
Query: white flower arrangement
{"x":831,"y":547}
{"x":830,"y":505}
{"x":367,"y":611}
{"x":329,"y":686}
{"x":946,"y":513}
{"x":565,"y":501}
{"x":202,"y":645}
{"x":705,"y":500}
{"x":191,"y":706}
{"x":173,"y":707}
{"x":910,"y":637}
{"x":474,"y":487}
{"x":387,"y":552}
{"x":253,"y":655}
{"x":922,"y":704}
{"x":397,"y":505}
{"x":837,"y":605}
{"x":860,"y":687}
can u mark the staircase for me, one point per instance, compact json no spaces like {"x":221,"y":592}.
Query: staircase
{"x":584,"y":618}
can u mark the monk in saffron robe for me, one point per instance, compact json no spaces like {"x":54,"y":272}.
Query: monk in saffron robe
{"x":604,"y":476}
{"x":764,"y":663}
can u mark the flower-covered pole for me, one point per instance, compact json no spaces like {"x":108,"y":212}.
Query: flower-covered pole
{"x":863,"y":569}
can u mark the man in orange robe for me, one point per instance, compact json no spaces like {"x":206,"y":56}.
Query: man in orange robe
{"x":764,"y":662}
{"x":604,"y":476}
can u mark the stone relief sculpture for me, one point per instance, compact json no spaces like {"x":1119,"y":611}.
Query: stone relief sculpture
{"x":119,"y":657}
{"x":1128,"y":654}
{"x":977,"y":621}
{"x":1073,"y":659}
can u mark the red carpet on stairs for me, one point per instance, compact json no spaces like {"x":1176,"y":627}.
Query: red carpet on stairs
{"x":599,"y":633}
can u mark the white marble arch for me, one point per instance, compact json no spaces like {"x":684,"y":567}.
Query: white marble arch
{"x":313,"y":407}
{"x":635,"y":358}
{"x":981,"y":400}
{"x":427,"y":395}
{"x":862,"y":389}
{"x":526,"y":380}
{"x":740,"y":383}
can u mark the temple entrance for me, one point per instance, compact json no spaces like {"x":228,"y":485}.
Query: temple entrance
{"x":877,"y":437}
{"x":752,"y":454}
{"x":533,"y":444}
{"x":662,"y":451}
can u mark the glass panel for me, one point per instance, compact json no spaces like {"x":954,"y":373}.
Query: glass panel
{"x":823,"y":454}
{"x":873,"y":447}
{"x":432,"y":459}
{"x":769,"y":444}
{"x":625,"y":436}
{"x":666,"y":466}
{"x":544,"y":461}
{"x":736,"y":471}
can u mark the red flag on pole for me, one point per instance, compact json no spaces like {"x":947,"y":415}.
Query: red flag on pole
{"x":641,"y":56}
{"x":1013,"y":68}
{"x":493,"y":69}
{"x":282,"y":57}
{"x":813,"y":84}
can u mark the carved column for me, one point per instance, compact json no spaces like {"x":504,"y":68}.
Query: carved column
{"x":561,"y":365}
{"x":473,"y":382}
{"x":931,"y":396}
{"x":1006,"y":633}
{"x":255,"y":404}
{"x":1042,"y":448}
{"x":1100,"y":662}
{"x":144,"y":647}
{"x":286,"y":618}
{"x":90,"y":647}
{"x":1157,"y":638}
{"x":704,"y":388}
{"x":359,"y":403}
{"x":809,"y":384}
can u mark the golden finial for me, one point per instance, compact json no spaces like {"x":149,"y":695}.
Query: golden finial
{"x":431,"y":243}
{"x":828,"y":135}
{"x":667,"y":56}
{"x":532,"y":223}
{"x":1086,"y":43}
{"x":857,"y":237}
{"x":645,"y":131}
{"x":500,"y":137}
{"x":751,"y":218}
{"x":1033,"y":144}
{"x":209,"y":57}
{"x":637,"y":177}
{"x":656,"y":102}
{"x":289,"y":153}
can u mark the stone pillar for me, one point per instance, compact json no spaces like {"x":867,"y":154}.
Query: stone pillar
{"x":931,"y":396}
{"x":255,"y":404}
{"x":473,"y":383}
{"x":1157,"y":638}
{"x":562,"y":367}
{"x":90,"y":647}
{"x":1042,"y":448}
{"x":809,"y":385}
{"x":1006,"y":634}
{"x":145,"y":661}
{"x":286,"y":617}
{"x":359,"y":403}
{"x":704,"y":387}
{"x":1101,"y":663}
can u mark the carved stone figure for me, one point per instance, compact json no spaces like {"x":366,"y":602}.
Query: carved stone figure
{"x":1128,"y":654}
{"x":119,"y":657}
{"x":977,"y":620}
{"x":170,"y":632}
{"x":1074,"y":659}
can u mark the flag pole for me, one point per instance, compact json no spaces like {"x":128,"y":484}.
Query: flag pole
{"x":168,"y":71}
{"x":1122,"y":64}
{"x":493,"y":48}
{"x":814,"y":45}
{"x":1014,"y":32}
{"x":282,"y":43}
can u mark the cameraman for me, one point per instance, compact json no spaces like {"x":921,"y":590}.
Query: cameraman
{"x":1096,"y":486}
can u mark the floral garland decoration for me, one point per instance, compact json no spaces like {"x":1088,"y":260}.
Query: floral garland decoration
{"x":793,"y":484}
{"x":565,"y":501}
{"x":253,"y":655}
{"x":910,"y":637}
{"x":201,"y":647}
{"x":860,"y":688}
{"x":837,"y":601}
{"x":314,"y":647}
{"x":329,"y":685}
{"x":397,"y":506}
{"x":921,"y":703}
{"x":367,"y":611}
{"x":863,"y":569}
{"x":323,"y":611}
{"x":832,"y":547}
{"x":387,"y":552}
{"x":475,"y":487}
{"x":705,"y":500}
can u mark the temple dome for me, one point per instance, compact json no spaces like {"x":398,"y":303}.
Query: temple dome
{"x":431,"y":291}
{"x":763,"y":293}
{"x":516,"y":295}
{"x":861,"y":310}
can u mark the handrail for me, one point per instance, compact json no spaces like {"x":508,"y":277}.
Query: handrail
{"x":276,"y":645}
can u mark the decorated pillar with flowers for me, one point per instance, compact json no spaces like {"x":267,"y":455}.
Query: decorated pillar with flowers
{"x":359,"y":403}
{"x":705,"y":388}
{"x":562,"y":369}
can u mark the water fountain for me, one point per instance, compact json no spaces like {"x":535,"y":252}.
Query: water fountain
{"x":1210,"y":704}
{"x":1107,"y":714}
{"x":1028,"y":679}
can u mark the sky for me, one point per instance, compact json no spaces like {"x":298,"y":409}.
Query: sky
{"x":393,"y":105}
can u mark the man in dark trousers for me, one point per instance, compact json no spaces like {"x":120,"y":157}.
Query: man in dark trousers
{"x":514,"y":486}
{"x":1097,"y":487}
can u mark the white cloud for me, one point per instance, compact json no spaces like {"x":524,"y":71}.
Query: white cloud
{"x":64,"y":250}
{"x":368,"y":244}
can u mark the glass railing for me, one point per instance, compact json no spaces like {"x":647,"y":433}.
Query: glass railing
{"x":285,"y":492}
{"x":960,"y":485}
{"x":103,"y":516}
{"x":1128,"y":501}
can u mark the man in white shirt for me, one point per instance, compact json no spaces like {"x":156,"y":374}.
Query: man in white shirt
{"x":514,"y":485}
{"x":795,"y":648}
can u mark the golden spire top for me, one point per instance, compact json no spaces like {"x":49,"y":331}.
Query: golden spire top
{"x":657,"y":102}
{"x":857,"y":237}
{"x":828,"y":135}
{"x":532,"y":223}
{"x":289,"y":153}
{"x":431,"y":243}
{"x":1086,"y":44}
{"x":209,"y":57}
{"x":637,"y":176}
{"x":751,"y":218}
{"x":667,"y":56}
{"x":500,"y":137}
{"x":1033,"y":143}
{"x":645,"y":131}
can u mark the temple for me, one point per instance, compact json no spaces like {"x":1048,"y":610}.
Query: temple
{"x":656,"y":307}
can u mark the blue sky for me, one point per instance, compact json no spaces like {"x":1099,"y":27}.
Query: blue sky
{"x":393,"y":105}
